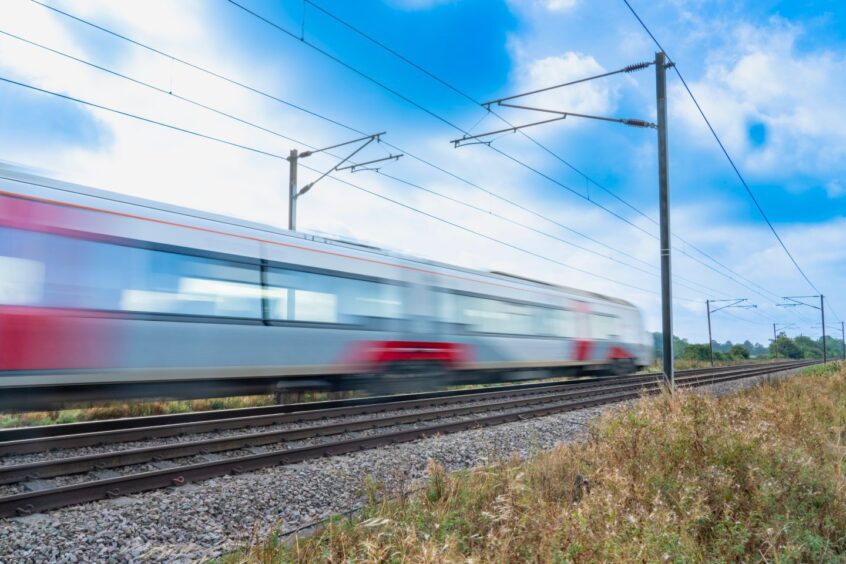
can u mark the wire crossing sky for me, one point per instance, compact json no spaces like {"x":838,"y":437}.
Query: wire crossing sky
{"x":234,"y":83}
{"x":725,"y":152}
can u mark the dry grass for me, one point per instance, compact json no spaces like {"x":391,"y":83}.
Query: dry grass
{"x":753,"y":476}
{"x":115,"y":410}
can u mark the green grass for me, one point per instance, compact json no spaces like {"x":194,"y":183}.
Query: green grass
{"x":756,"y":476}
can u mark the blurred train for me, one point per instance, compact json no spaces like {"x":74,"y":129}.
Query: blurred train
{"x":107,"y":296}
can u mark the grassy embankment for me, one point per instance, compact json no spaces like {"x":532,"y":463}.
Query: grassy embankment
{"x":758,"y":475}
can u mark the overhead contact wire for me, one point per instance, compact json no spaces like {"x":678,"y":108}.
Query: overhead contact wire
{"x":282,"y":157}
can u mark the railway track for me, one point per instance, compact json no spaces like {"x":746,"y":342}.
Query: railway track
{"x":461,"y":410}
{"x":368,"y":403}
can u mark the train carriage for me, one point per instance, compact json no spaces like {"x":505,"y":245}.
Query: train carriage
{"x":104,"y":295}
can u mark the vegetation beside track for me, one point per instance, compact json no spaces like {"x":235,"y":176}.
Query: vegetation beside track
{"x":139,"y":408}
{"x":114,"y":410}
{"x":136,"y":408}
{"x":757,"y":475}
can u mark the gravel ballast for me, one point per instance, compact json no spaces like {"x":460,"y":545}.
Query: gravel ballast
{"x":209,"y":518}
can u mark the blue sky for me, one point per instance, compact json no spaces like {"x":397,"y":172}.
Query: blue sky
{"x":768,"y":74}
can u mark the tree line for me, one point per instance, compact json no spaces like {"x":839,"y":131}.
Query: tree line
{"x":783,"y":347}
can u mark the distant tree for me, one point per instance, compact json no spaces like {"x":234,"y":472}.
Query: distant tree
{"x":696,"y":352}
{"x":738,"y":352}
{"x":833,"y":346}
{"x":809,"y":347}
{"x":784,"y":347}
{"x":679,"y":345}
{"x":760,"y":350}
{"x":723,"y":347}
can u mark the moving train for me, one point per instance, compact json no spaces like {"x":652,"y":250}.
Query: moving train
{"x":108,"y":296}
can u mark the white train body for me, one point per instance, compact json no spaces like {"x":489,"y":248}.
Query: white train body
{"x":107,"y":295}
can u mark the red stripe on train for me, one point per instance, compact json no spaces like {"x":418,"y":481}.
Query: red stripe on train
{"x":582,"y":349}
{"x":617,"y":353}
{"x":385,"y":352}
{"x":44,"y":339}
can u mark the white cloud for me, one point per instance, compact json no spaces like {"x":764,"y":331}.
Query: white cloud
{"x":418,"y":4}
{"x":791,"y":99}
{"x":560,"y":5}
{"x":545,"y":5}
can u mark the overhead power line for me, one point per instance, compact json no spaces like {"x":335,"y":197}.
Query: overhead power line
{"x":724,"y":150}
{"x":310,"y":112}
{"x":462,"y":93}
{"x":500,"y":241}
{"x":141,"y":118}
{"x":831,"y":309}
{"x":282,"y":157}
{"x":313,"y":113}
{"x":433,"y":114}
{"x":421,"y":159}
{"x":353,"y":166}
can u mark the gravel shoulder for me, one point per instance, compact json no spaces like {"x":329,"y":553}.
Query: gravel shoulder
{"x":204,"y":520}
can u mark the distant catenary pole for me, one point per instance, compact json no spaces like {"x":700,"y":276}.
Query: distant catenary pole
{"x":822,"y":312}
{"x":710,"y":340}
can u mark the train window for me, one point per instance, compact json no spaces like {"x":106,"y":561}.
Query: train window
{"x":22,"y":282}
{"x":62,"y":271}
{"x":559,"y":323}
{"x":488,"y":315}
{"x":65,"y":272}
{"x":307,"y":296}
{"x":164,"y":282}
{"x":603,"y":326}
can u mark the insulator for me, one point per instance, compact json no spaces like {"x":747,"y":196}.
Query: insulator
{"x":636,"y":67}
{"x":638,"y":123}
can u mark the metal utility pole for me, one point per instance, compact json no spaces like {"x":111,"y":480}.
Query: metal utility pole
{"x":842,"y":339}
{"x":735,"y":302}
{"x":292,"y":190}
{"x":822,"y":312}
{"x":710,"y":339}
{"x":664,"y":207}
{"x":293,"y":162}
{"x":795,"y":301}
{"x":663,"y":174}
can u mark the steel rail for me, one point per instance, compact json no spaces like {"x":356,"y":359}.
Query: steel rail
{"x":11,"y":474}
{"x":71,"y":465}
{"x":22,"y":433}
{"x":150,"y":420}
{"x":98,"y":438}
{"x":28,"y":446}
{"x":29,"y":502}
